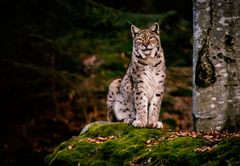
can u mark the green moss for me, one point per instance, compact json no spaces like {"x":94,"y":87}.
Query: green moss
{"x":72,"y":152}
{"x":180,"y":151}
{"x":227,"y":152}
{"x":129,"y":147}
{"x":98,"y":163}
{"x":115,"y":129}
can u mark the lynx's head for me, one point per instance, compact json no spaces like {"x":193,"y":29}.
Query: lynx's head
{"x":146,"y":42}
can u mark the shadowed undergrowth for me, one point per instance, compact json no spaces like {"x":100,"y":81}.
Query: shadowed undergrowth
{"x":57,"y":64}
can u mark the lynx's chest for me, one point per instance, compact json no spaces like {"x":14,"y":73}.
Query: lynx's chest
{"x":148,"y":78}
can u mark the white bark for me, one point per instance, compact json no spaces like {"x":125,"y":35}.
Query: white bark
{"x":216,"y":64}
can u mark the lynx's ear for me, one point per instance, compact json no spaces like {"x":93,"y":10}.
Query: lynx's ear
{"x":135,"y":30}
{"x":155,"y":28}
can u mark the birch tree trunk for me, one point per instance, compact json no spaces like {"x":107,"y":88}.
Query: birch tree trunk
{"x":216,"y":64}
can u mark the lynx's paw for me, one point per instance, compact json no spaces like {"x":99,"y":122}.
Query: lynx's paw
{"x":128,"y":120}
{"x":158,"y":125}
{"x":138,"y":123}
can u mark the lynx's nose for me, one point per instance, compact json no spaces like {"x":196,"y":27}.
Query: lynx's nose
{"x":145,"y":43}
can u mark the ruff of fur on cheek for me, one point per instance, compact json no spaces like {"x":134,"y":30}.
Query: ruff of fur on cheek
{"x":142,"y":54}
{"x":153,"y":53}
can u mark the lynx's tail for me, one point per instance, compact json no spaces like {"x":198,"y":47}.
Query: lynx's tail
{"x":112,"y":92}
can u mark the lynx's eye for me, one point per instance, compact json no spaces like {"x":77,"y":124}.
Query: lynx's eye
{"x":138,"y":40}
{"x":151,"y":38}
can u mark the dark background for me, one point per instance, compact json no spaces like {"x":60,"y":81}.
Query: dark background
{"x":59,"y":56}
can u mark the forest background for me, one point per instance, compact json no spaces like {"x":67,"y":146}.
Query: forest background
{"x":58,"y":58}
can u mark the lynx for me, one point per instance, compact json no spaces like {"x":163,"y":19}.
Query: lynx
{"x":137,"y":98}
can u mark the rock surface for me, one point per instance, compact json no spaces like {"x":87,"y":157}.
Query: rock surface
{"x":106,"y":143}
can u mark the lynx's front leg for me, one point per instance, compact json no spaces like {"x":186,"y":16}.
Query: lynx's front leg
{"x":141,"y":105}
{"x":155,"y":105}
{"x":154,"y":110}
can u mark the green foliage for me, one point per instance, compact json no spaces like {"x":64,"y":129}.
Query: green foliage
{"x":106,"y":31}
{"x":181,"y":92}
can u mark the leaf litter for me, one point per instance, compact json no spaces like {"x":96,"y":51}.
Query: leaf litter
{"x":213,"y":137}
{"x":99,"y":140}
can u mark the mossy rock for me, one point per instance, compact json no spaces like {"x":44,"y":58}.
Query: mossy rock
{"x":105,"y":143}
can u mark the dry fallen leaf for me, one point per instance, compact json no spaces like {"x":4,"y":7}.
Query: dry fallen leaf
{"x":70,"y":147}
{"x":203,"y":149}
{"x":151,"y":142}
{"x":99,"y":140}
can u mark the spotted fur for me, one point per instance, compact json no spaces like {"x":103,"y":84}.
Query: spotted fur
{"x":137,"y":97}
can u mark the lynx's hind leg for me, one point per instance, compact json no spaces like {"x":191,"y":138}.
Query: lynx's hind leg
{"x":111,"y":98}
{"x":124,"y":110}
